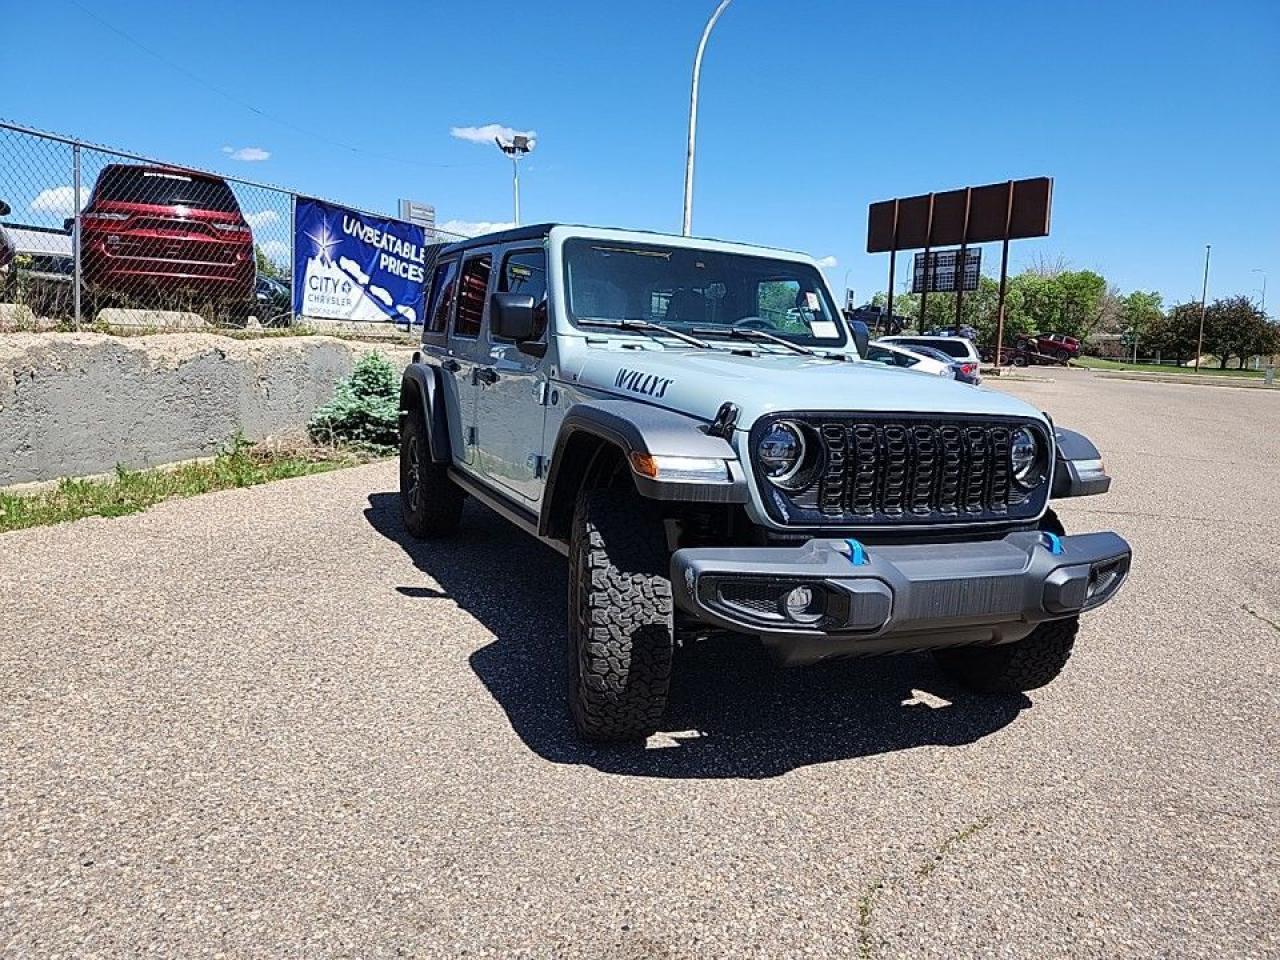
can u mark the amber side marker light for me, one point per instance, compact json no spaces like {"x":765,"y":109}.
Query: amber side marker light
{"x":681,"y":469}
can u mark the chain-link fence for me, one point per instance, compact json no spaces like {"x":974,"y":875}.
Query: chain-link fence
{"x":93,"y":236}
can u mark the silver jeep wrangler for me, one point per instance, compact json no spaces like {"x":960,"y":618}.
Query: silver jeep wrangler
{"x":690,"y":422}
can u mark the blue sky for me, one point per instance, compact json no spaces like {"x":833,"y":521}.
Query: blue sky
{"x":1159,"y":121}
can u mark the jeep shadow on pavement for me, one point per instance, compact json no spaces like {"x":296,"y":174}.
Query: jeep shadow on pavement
{"x":691,"y":423}
{"x":730,"y":712}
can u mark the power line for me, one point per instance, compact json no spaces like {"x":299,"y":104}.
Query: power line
{"x":238,"y":101}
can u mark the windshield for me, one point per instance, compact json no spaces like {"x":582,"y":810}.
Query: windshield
{"x":687,"y":289}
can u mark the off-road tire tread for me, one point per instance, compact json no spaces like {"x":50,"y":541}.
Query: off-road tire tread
{"x":1025,"y":664}
{"x":619,"y":668}
{"x":440,"y":512}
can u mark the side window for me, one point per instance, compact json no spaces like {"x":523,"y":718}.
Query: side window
{"x":525,"y":271}
{"x":471,"y":290}
{"x":442,"y":285}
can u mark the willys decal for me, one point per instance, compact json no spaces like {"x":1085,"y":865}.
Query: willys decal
{"x":637,"y":381}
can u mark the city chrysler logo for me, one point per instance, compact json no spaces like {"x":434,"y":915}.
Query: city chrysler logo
{"x":639,"y":382}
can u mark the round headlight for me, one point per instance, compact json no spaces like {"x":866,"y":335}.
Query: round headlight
{"x":781,"y":451}
{"x":1024,"y":456}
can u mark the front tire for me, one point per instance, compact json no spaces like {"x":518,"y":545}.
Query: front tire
{"x":430,"y":503}
{"x":1025,"y":664}
{"x":621,"y":642}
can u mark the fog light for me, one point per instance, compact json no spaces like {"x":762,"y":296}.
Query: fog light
{"x":803,"y":604}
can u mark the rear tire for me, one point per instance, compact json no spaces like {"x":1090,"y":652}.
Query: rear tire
{"x":430,"y":503}
{"x":621,"y":643}
{"x":1023,"y":665}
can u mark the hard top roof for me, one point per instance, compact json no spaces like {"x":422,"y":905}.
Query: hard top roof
{"x":540,"y":231}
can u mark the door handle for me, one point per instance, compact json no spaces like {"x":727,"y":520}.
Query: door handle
{"x":452,"y":365}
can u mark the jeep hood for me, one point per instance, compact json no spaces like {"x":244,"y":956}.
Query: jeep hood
{"x":697,"y":382}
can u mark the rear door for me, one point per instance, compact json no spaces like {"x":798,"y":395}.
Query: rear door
{"x":513,"y":388}
{"x":467,"y":352}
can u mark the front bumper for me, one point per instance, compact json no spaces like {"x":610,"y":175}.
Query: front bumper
{"x":895,"y":598}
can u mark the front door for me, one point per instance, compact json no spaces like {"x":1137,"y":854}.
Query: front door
{"x":513,"y":390}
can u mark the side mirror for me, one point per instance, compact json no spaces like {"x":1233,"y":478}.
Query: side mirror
{"x":5,"y":209}
{"x":69,"y":224}
{"x":511,"y":316}
{"x":861,"y":337}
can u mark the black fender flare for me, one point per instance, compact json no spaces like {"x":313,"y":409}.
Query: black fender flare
{"x":420,"y":384}
{"x":1078,"y":470}
{"x":634,"y":427}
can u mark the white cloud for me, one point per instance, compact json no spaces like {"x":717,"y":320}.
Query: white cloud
{"x":486,"y":133}
{"x":472,"y":228}
{"x":828,"y":263}
{"x":276,"y":250}
{"x":247,"y":154}
{"x":262,"y":218}
{"x":59,"y":200}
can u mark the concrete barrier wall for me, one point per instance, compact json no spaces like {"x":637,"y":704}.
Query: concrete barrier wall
{"x":73,"y":404}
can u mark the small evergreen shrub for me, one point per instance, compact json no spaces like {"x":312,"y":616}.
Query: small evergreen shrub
{"x":365,"y":408}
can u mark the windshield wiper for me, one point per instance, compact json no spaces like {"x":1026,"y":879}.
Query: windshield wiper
{"x":751,"y":333}
{"x":635,"y":323}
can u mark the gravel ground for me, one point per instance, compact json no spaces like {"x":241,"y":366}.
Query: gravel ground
{"x":264,"y":723}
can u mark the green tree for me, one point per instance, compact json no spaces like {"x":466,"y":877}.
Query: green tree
{"x":1139,"y":313}
{"x":268,"y":267}
{"x":1235,"y":327}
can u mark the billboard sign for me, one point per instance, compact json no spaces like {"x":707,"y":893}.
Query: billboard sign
{"x":942,"y":271}
{"x":350,"y":265}
{"x":1013,"y":210}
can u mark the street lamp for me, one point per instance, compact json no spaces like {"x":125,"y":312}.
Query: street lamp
{"x":519,"y":145}
{"x":1264,"y":287}
{"x":1204,"y":295}
{"x":693,"y":117}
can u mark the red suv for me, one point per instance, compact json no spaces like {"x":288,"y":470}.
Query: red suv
{"x":1057,"y":345}
{"x":167,"y":236}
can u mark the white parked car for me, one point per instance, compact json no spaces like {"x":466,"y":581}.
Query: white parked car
{"x":895,"y":356}
{"x":960,"y":348}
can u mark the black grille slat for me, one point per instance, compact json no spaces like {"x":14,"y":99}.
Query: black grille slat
{"x":903,"y":469}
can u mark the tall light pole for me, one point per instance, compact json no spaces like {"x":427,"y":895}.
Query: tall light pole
{"x":693,"y":117}
{"x":1204,"y":294}
{"x":1264,"y":287}
{"x":519,"y":145}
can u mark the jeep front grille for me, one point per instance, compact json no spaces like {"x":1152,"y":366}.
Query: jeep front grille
{"x":894,"y":470}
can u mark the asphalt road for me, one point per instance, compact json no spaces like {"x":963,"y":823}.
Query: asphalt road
{"x":264,"y":723}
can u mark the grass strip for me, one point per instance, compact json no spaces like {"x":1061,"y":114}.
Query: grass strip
{"x":240,"y":464}
{"x":1099,"y":363}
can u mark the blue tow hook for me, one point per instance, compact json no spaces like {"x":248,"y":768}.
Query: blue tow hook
{"x":856,"y":553}
{"x":1052,"y":542}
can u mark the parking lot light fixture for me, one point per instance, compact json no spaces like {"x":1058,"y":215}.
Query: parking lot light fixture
{"x":1263,"y":305}
{"x":693,"y":117}
{"x":1204,"y":293}
{"x":518,"y":146}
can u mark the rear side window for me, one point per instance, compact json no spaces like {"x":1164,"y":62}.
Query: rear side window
{"x":442,"y":285}
{"x":525,"y":271}
{"x":951,"y":348}
{"x":471,"y":290}
{"x":165,"y":188}
{"x":881,"y":355}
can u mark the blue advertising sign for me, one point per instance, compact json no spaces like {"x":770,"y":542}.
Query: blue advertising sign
{"x":349,"y":265}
